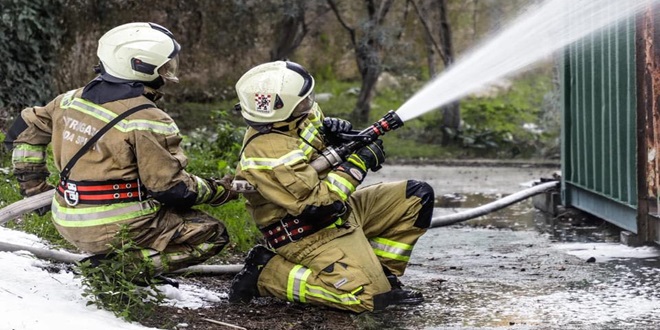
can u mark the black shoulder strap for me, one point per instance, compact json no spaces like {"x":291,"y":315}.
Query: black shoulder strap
{"x":67,"y":168}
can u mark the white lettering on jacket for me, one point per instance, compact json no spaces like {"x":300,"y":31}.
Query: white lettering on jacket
{"x":73,"y":126}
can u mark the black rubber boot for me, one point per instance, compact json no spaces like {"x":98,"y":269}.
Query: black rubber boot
{"x":244,"y":285}
{"x":406,"y":297}
{"x":400,"y":296}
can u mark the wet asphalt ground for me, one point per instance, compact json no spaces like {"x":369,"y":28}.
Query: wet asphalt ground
{"x":519,"y":268}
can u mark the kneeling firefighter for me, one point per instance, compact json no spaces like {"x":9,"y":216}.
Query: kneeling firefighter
{"x":120,"y":158}
{"x":328,"y":243}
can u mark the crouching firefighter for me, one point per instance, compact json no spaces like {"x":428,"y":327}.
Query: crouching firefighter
{"x":120,"y":159}
{"x":328,"y":244}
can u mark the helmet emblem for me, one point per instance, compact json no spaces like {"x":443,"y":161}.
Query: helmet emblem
{"x":262,"y":102}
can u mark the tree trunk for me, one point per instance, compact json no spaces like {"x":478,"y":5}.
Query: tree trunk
{"x":291,"y":31}
{"x":451,"y":113}
{"x":368,"y":47}
{"x":370,"y":69}
{"x":430,"y":56}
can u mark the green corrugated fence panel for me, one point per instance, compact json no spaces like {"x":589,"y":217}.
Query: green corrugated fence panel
{"x":599,"y":134}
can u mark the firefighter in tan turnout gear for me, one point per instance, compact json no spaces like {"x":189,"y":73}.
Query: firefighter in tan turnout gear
{"x":120,"y":158}
{"x":328,"y":243}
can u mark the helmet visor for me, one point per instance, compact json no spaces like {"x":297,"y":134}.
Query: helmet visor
{"x":304,"y":107}
{"x":170,"y":70}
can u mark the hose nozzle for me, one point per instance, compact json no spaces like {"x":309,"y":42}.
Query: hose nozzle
{"x":390,"y":121}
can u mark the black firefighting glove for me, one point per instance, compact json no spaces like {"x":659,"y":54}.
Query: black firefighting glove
{"x":336,"y":126}
{"x":370,"y":157}
{"x":333,"y":127}
{"x":355,"y":171}
{"x":33,"y":183}
{"x":222,"y":192}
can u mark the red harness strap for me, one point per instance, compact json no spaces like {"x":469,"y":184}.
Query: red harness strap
{"x":100,"y":192}
{"x":291,"y":229}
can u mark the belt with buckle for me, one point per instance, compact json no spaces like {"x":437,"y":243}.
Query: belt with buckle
{"x":100,"y":192}
{"x":291,"y":229}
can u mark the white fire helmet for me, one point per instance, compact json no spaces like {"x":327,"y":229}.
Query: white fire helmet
{"x":139,"y":52}
{"x":272,"y":92}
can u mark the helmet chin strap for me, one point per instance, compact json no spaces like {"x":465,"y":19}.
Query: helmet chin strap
{"x":156,"y":83}
{"x":298,"y":118}
{"x":260,"y":127}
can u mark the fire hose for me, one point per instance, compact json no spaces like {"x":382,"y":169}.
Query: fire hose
{"x":330,"y":157}
{"x":437,"y":221}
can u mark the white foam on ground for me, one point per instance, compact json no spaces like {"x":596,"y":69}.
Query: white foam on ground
{"x":607,"y":251}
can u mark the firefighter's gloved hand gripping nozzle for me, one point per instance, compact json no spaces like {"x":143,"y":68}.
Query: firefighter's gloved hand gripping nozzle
{"x":335,"y":155}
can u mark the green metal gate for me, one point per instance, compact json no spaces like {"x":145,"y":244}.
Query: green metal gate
{"x":599,"y":140}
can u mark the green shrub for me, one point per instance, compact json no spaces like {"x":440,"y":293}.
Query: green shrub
{"x":213,"y":149}
{"x":29,"y":41}
{"x":111,"y":284}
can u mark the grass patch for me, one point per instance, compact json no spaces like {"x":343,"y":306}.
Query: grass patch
{"x":243,"y":233}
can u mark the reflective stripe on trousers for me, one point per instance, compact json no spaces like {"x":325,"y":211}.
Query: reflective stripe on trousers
{"x":390,"y":249}
{"x":298,"y":289}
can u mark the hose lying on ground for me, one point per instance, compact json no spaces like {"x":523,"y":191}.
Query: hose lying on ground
{"x":68,"y":257}
{"x":446,"y":220}
{"x":438,"y":221}
{"x":29,"y":204}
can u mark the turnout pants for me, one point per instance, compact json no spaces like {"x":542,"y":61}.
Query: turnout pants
{"x":190,"y":238}
{"x":171,"y":239}
{"x":342,"y":267}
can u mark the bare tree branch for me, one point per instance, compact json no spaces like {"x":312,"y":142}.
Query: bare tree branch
{"x":445,"y":33}
{"x":291,"y":31}
{"x":343,"y":23}
{"x":371,"y":8}
{"x":406,"y":10}
{"x":429,"y":34}
{"x":383,"y":10}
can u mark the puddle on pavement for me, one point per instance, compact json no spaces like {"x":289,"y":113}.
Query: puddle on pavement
{"x":566,"y":227}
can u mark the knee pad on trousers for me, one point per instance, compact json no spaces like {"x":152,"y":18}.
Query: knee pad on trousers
{"x":425,"y":192}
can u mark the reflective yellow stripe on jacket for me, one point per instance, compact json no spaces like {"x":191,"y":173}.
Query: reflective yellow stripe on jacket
{"x":334,"y":182}
{"x":316,"y":116}
{"x":308,"y":134}
{"x":339,"y":185}
{"x":101,"y":215}
{"x":298,"y":289}
{"x":124,"y":125}
{"x":204,"y":192}
{"x":27,"y":153}
{"x":270,"y":163}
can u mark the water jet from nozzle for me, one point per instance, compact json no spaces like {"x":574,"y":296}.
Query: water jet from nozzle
{"x":537,"y":33}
